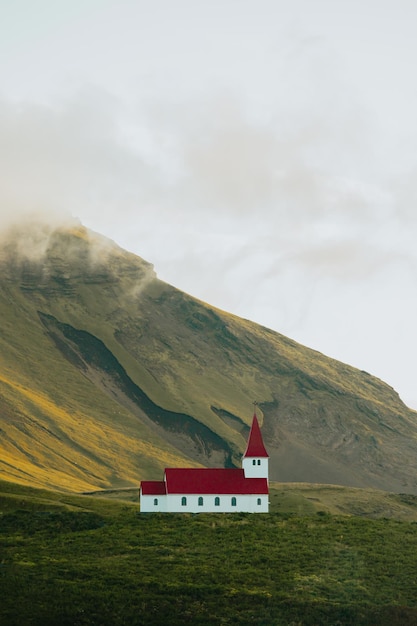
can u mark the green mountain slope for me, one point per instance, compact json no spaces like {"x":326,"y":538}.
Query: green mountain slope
{"x":107,"y":375}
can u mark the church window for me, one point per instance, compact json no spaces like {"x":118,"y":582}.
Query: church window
{"x":183,"y":501}
{"x":259,"y":461}
{"x":233,"y":501}
{"x":259,"y":501}
{"x":217,"y":501}
{"x":200,"y":501}
{"x":155,"y":502}
{"x":254,"y":462}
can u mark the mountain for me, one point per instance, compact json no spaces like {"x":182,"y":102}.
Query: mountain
{"x":108,"y":374}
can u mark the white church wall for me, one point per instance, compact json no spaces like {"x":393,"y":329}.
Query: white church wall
{"x":255,"y":467}
{"x":153,"y":504}
{"x":247,"y":503}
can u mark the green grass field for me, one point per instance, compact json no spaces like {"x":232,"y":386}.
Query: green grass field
{"x":79,"y":560}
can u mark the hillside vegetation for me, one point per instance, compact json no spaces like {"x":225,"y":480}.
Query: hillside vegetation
{"x":107,"y":375}
{"x":69,"y":559}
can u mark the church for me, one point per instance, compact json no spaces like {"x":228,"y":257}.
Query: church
{"x":207,"y":490}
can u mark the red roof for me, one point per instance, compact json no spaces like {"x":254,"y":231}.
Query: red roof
{"x":255,"y":445}
{"x":153,"y":487}
{"x":213,"y":481}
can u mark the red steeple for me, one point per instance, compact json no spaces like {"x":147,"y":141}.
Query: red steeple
{"x":255,"y":447}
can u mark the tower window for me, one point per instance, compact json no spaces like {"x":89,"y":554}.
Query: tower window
{"x":259,"y":461}
{"x":183,"y":501}
{"x":254,"y":462}
{"x":259,"y":501}
{"x":200,"y":501}
{"x":233,"y":501}
{"x":217,"y":501}
{"x":155,"y":502}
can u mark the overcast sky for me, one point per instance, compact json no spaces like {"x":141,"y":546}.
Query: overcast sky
{"x":262,"y":154}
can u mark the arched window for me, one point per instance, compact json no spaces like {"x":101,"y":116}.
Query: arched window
{"x":183,"y":501}
{"x":254,"y":462}
{"x":259,"y":461}
{"x":233,"y":501}
{"x":259,"y":501}
{"x":155,"y":502}
{"x":217,"y":501}
{"x":200,"y":501}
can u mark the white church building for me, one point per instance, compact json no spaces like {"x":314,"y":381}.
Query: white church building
{"x":207,"y":490}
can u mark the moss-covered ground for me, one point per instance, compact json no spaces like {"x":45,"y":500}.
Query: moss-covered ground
{"x":67,"y":559}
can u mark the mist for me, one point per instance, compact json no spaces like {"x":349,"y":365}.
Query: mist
{"x":261,"y":157}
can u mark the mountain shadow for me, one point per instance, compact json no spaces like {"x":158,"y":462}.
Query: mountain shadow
{"x":98,"y":364}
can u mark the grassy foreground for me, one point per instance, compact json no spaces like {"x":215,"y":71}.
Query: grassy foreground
{"x":77,"y":560}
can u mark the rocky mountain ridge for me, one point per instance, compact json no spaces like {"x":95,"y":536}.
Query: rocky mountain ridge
{"x":108,"y":374}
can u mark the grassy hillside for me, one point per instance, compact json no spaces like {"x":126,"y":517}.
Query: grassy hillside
{"x":70,"y":559}
{"x":285,"y":498}
{"x":107,"y":375}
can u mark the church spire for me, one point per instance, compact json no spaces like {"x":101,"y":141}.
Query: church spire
{"x":255,"y":447}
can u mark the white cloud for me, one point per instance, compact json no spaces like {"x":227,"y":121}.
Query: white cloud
{"x":261,"y":155}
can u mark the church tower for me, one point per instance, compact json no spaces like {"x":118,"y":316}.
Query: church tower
{"x":255,"y":459}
